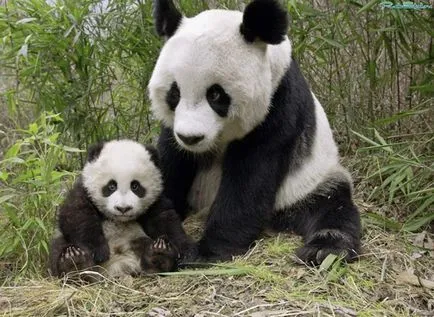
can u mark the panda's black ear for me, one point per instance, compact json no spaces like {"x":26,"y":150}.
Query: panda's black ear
{"x":167,"y":17}
{"x":94,"y":151}
{"x":265,"y":20}
{"x":155,"y":157}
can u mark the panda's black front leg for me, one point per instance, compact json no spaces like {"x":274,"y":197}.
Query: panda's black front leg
{"x":179,"y":168}
{"x":242,"y":205}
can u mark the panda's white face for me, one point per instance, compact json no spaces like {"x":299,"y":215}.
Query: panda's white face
{"x":210,"y":85}
{"x":122,"y":181}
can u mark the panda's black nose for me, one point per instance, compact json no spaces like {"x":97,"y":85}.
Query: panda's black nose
{"x":191,"y":139}
{"x":123,"y":209}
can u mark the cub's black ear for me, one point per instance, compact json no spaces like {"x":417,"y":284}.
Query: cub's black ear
{"x":167,"y":18}
{"x":94,"y":151}
{"x":265,"y":20}
{"x":155,"y":157}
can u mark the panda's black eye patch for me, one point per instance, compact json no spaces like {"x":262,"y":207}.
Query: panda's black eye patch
{"x":109,"y":188}
{"x":173,"y":96}
{"x":138,"y":189}
{"x":218,"y":99}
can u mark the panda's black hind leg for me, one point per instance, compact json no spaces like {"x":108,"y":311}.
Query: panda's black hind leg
{"x":329,"y":222}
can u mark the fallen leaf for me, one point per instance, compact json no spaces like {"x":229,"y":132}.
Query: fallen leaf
{"x":408,"y":277}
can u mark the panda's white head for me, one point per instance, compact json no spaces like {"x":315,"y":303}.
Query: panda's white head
{"x":122,"y":178}
{"x":217,"y":72}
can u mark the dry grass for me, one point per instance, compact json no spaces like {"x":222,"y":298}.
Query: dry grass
{"x":392,"y":278}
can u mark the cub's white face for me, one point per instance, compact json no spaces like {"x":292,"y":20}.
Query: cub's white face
{"x":122,"y":181}
{"x":210,"y":85}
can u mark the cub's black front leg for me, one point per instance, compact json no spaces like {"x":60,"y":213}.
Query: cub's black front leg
{"x":243,"y":202}
{"x":81,"y":224}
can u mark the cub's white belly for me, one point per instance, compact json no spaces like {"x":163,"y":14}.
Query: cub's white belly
{"x":205,"y":186}
{"x":123,"y":260}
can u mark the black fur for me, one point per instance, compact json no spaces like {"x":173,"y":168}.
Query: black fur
{"x":173,"y":96}
{"x":94,"y":151}
{"x":81,"y":223}
{"x":109,"y":188}
{"x":265,"y":20}
{"x":253,"y":170}
{"x":138,"y":189}
{"x":155,"y":157}
{"x":218,"y":100}
{"x":179,"y":169}
{"x":328,"y":220}
{"x":167,"y":17}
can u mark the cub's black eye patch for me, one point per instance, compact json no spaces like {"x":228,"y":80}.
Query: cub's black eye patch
{"x":109,"y":188}
{"x":138,"y":189}
{"x":173,"y":96}
{"x":218,"y":99}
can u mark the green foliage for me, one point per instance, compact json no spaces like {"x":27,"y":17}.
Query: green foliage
{"x":90,"y":65}
{"x":402,"y":178}
{"x":32,"y":184}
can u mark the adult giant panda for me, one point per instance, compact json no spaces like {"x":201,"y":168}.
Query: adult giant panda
{"x":244,"y":136}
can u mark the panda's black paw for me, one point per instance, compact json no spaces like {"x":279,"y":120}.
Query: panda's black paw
{"x":161,"y":256}
{"x":74,"y":258}
{"x":163,"y":246}
{"x":326,"y":242}
{"x":193,"y":258}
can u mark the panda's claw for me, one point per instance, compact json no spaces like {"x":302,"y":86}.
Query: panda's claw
{"x":67,"y":253}
{"x":160,"y":244}
{"x":76,"y":251}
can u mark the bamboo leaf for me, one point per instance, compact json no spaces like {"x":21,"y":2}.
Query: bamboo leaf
{"x":367,"y":6}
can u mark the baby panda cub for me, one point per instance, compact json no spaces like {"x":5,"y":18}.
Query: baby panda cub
{"x":115,"y":216}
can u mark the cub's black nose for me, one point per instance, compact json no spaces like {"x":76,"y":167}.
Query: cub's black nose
{"x":123,"y":209}
{"x":190,"y":139}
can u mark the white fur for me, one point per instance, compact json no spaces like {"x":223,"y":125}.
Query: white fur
{"x":122,"y":161}
{"x":322,"y":164}
{"x":123,"y":260}
{"x":209,"y":49}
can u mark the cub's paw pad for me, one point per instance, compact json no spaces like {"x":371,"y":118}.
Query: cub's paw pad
{"x":74,"y":258}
